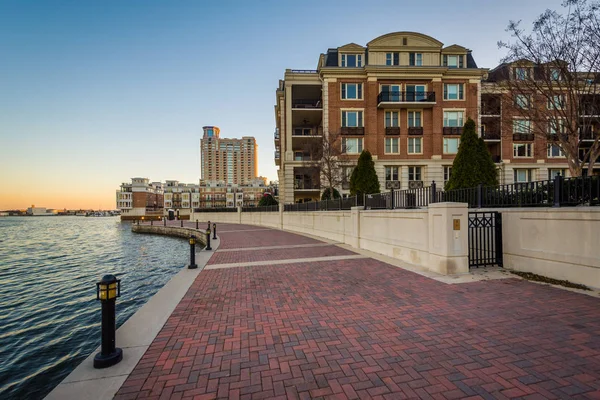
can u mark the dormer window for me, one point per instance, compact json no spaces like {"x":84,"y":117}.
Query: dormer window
{"x":352,"y":60}
{"x":521,"y":73}
{"x":392,"y":58}
{"x":415,"y":59}
{"x":555,"y":74}
{"x":453,"y":61}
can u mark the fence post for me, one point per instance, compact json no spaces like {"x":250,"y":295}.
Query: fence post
{"x":557,"y":189}
{"x":340,"y":198}
{"x":433,"y":193}
{"x":479,"y":189}
{"x":392,"y":198}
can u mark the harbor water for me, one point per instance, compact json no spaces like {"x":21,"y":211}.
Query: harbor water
{"x":49,"y":316}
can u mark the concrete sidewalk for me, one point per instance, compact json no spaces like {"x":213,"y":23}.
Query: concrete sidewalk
{"x":280,"y":315}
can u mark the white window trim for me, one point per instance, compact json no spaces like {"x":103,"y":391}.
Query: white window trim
{"x":408,"y":145}
{"x":529,"y":102}
{"x":391,"y":139}
{"x":444,"y":145}
{"x":385,"y":115}
{"x":420,"y":173}
{"x":548,"y":155}
{"x":445,"y":110}
{"x":532,"y":152}
{"x":550,"y":104}
{"x":522,"y":133}
{"x":353,"y":138}
{"x":398,"y":172}
{"x":362,"y":56}
{"x":458,"y":94}
{"x":362,"y":94}
{"x":420,"y":118}
{"x":352,"y":110}
{"x":392,"y":53}
{"x":416,"y":63}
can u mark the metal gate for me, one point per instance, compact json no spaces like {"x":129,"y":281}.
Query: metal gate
{"x":485,"y":239}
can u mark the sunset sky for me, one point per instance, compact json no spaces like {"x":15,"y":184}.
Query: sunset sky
{"x":93,"y":93}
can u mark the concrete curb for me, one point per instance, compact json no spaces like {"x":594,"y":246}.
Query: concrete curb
{"x":135,"y":335}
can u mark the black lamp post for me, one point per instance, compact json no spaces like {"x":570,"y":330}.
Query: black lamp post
{"x":208,"y":239}
{"x":192,"y":253}
{"x":196,"y":224}
{"x":208,"y":227}
{"x":107,"y":291}
{"x":214,"y":231}
{"x":182,"y":223}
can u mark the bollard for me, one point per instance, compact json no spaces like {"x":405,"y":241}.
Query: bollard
{"x":151,"y":222}
{"x":107,"y":291}
{"x":138,"y":221}
{"x":165,"y":222}
{"x":215,"y":231}
{"x":208,"y":227}
{"x":208,"y":240}
{"x":182,"y":223}
{"x":196,"y":224}
{"x":192,"y":253}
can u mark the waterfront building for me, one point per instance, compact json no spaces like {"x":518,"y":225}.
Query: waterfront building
{"x":140,"y":198}
{"x":404,"y":97}
{"x":233,"y":161}
{"x":40,"y":211}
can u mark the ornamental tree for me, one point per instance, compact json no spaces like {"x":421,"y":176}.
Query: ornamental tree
{"x":364,"y":178}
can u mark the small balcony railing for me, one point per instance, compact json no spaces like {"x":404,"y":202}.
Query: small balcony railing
{"x":392,"y":130}
{"x":522,"y":137}
{"x":352,"y":130}
{"x":406,"y":97}
{"x":490,"y":110}
{"x":305,"y":185}
{"x":306,"y":103}
{"x":452,"y":130}
{"x":496,"y":158}
{"x":415,"y":130}
{"x":490,"y":135}
{"x":587,"y":134}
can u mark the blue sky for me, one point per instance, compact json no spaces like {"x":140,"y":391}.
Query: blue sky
{"x":93,"y":93}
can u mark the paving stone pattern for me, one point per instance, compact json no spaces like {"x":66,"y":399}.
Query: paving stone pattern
{"x":227,"y":257}
{"x":361,"y":328}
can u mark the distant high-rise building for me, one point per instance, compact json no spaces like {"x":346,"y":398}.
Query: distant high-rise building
{"x":233,"y":161}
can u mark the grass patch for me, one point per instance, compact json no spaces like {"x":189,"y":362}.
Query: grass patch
{"x":538,"y":278}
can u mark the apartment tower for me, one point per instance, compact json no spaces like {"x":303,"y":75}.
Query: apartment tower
{"x":233,"y":161}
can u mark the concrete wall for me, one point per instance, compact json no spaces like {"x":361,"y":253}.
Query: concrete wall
{"x":560,"y":243}
{"x":171,"y":231}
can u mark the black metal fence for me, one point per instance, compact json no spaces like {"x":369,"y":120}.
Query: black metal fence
{"x":272,"y":208}
{"x":215,"y":209}
{"x":326,"y":205}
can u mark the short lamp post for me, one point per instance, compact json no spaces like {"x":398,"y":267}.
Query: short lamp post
{"x":214,"y":231}
{"x":182,"y":223}
{"x":164,"y":222}
{"x":208,"y":227}
{"x":196,"y":224}
{"x":107,"y":291}
{"x":208,"y":240}
{"x":193,"y":253}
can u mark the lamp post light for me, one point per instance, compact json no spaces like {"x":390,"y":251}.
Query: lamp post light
{"x":208,"y":227}
{"x":107,"y":291}
{"x":208,"y":240}
{"x":214,"y":231}
{"x":192,"y":253}
{"x":196,"y":224}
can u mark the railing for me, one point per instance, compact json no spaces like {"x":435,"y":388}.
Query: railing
{"x":352,"y":130}
{"x":326,"y":205}
{"x":588,"y":134}
{"x":406,"y":97}
{"x":216,"y":209}
{"x":490,"y":135}
{"x":523,"y":137}
{"x":392,"y":130}
{"x":490,"y":111}
{"x":415,"y":130}
{"x":303,"y":71}
{"x":306,"y":185}
{"x":306,"y":103}
{"x":271,"y":208}
{"x":452,"y":130}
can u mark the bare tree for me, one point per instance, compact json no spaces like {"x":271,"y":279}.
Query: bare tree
{"x":327,"y":156}
{"x":554,"y":81}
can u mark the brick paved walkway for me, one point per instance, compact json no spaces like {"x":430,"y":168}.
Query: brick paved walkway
{"x":361,"y":328}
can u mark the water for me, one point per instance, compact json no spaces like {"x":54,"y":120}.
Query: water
{"x":49,"y":316}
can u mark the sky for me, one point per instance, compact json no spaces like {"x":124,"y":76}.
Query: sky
{"x":94,"y":93}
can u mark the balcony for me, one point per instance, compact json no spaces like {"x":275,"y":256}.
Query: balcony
{"x":406,"y":99}
{"x":352,"y":130}
{"x":313,"y":131}
{"x":276,"y":136}
{"x":490,"y":135}
{"x":300,"y":184}
{"x":452,"y":130}
{"x":496,"y":159}
{"x":587,"y":134}
{"x":392,"y":130}
{"x":311,"y":104}
{"x":415,"y":131}
{"x":489,"y":111}
{"x":522,"y":137}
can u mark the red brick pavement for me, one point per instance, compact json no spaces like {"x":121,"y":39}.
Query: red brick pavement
{"x":233,"y":256}
{"x":238,"y":240}
{"x":363,"y":329}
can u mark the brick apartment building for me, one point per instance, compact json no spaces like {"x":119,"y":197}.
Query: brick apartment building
{"x":140,"y":198}
{"x":404,"y":97}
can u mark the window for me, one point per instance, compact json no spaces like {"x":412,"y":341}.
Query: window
{"x":390,"y":92}
{"x":522,"y":101}
{"x":453,"y":61}
{"x":414,"y":119}
{"x":351,"y":60}
{"x":556,"y":125}
{"x":415,"y":59}
{"x":555,"y":74}
{"x":346,"y":174}
{"x":415,"y":92}
{"x":391,"y":119}
{"x":555,"y":151}
{"x":556,"y":102}
{"x":522,"y":175}
{"x":392,"y":145}
{"x":521,"y":73}
{"x":414,"y":173}
{"x":552,"y":173}
{"x":352,"y":145}
{"x":352,"y":118}
{"x":351,"y":91}
{"x":451,"y":145}
{"x":453,"y":118}
{"x":447,"y":173}
{"x":414,"y":145}
{"x":522,"y":150}
{"x":521,"y":126}
{"x":453,"y":91}
{"x":392,"y":59}
{"x":391,"y":173}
